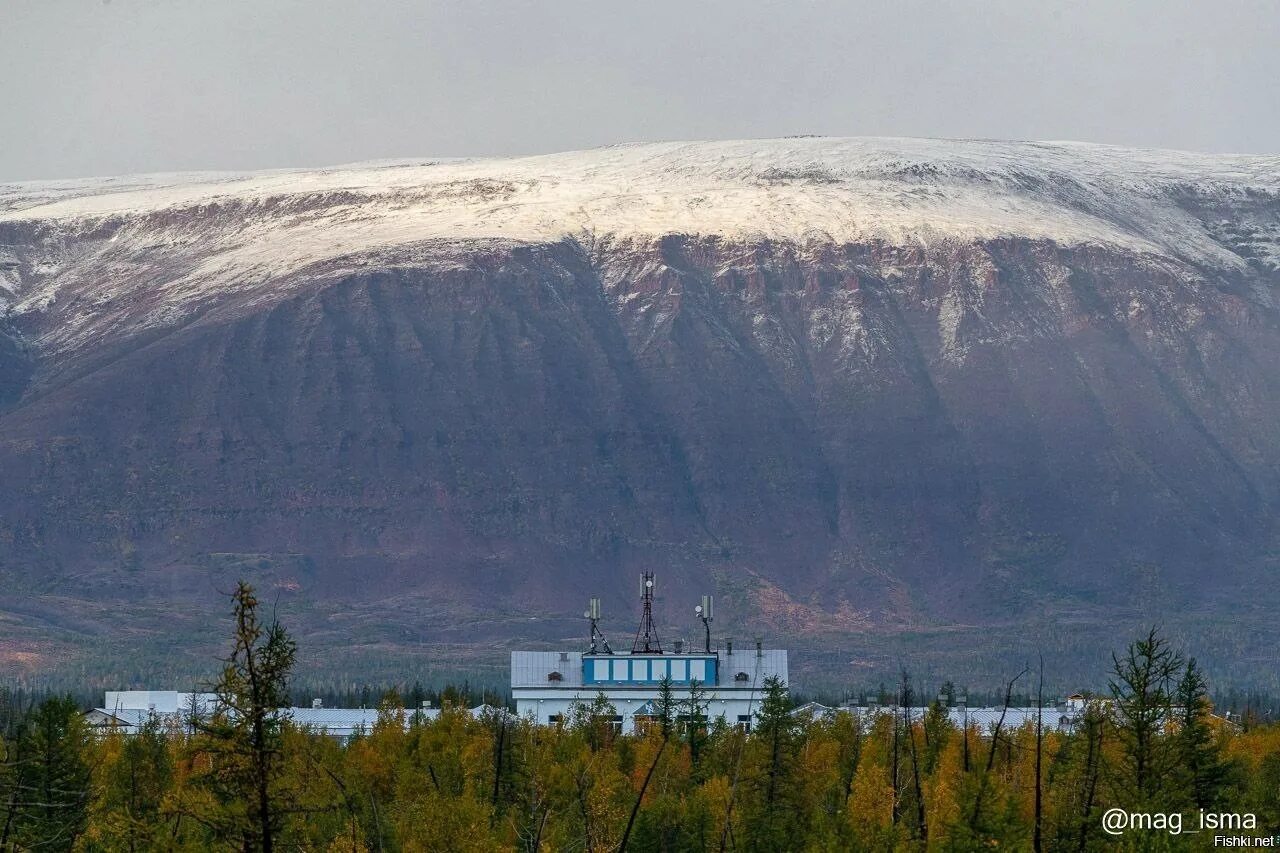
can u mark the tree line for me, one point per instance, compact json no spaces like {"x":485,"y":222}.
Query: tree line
{"x":245,"y":778}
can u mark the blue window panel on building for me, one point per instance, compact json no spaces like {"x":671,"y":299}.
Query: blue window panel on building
{"x":646,"y":670}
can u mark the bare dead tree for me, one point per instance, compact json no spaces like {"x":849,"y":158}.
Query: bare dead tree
{"x":1094,"y":725}
{"x":635,"y":809}
{"x":991,"y":753}
{"x":581,"y":784}
{"x":894,"y":771}
{"x":1037,"y":832}
{"x":909,"y":730}
{"x":497,"y":766}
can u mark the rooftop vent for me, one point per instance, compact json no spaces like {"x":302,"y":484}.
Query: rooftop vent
{"x":317,"y":703}
{"x":742,"y":676}
{"x":679,"y":647}
{"x":554,"y":676}
{"x":564,"y":656}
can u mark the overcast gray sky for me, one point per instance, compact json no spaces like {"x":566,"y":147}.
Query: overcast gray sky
{"x":92,"y":87}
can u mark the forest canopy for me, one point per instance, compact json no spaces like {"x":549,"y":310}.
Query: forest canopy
{"x":246,"y":778}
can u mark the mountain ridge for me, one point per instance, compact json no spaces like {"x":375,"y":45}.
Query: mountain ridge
{"x":1008,"y":397}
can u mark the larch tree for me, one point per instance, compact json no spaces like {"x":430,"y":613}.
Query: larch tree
{"x":134,"y":776}
{"x":1141,"y":685}
{"x":247,"y":800}
{"x":1199,"y":755}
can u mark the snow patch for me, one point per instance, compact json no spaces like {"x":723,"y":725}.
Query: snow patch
{"x":187,"y":239}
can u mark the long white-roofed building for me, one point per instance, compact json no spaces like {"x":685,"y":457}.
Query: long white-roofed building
{"x":729,"y":682}
{"x":127,"y":711}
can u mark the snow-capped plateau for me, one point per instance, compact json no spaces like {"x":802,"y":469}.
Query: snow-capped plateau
{"x":946,"y":385}
{"x":182,"y":238}
{"x":798,"y":188}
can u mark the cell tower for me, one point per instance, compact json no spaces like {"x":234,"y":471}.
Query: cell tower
{"x":597,"y":636}
{"x":705,"y":612}
{"x":646,"y":641}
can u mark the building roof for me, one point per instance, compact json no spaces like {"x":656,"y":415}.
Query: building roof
{"x":335,"y":721}
{"x":984,"y":719}
{"x":127,"y":718}
{"x":160,"y":701}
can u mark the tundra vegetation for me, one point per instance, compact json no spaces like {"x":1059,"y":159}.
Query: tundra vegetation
{"x":247,"y":779}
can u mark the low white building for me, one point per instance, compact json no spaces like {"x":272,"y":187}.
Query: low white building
{"x":545,"y":685}
{"x":1064,"y":716}
{"x":160,"y":701}
{"x":729,"y":684}
{"x":127,"y":711}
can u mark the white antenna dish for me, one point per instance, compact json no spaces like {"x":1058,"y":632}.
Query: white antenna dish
{"x":649,"y":583}
{"x":698,"y":610}
{"x":586,"y":614}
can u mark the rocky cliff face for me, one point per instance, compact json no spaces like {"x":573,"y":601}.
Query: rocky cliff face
{"x":959,"y":394}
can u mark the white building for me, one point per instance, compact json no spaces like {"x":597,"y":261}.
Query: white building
{"x":546,"y":685}
{"x":1064,"y":716}
{"x":126,"y":711}
{"x":160,"y":701}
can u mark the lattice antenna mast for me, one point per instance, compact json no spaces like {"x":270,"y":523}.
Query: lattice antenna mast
{"x":646,"y":641}
{"x":597,"y":636}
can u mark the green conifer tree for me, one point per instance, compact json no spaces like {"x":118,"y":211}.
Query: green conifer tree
{"x":1199,"y":757}
{"x":1141,"y":688}
{"x":241,"y":742}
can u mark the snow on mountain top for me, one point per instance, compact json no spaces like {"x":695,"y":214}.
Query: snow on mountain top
{"x":145,"y":251}
{"x":844,"y":189}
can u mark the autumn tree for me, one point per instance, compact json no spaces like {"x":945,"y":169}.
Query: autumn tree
{"x":872,"y":797}
{"x":772,"y":811}
{"x":1141,"y":685}
{"x":240,"y":744}
{"x":666,"y":707}
{"x":693,"y":720}
{"x":134,"y":775}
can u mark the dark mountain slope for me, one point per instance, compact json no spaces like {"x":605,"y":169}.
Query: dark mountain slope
{"x":974,"y":446}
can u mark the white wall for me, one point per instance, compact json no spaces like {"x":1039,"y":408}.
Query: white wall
{"x":160,"y":701}
{"x":729,"y":705}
